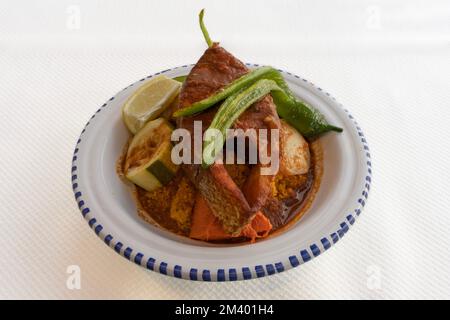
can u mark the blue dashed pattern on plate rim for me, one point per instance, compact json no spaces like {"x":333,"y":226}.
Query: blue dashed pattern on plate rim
{"x":223,"y":274}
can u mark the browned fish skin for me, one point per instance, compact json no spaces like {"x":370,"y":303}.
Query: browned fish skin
{"x":215,"y":69}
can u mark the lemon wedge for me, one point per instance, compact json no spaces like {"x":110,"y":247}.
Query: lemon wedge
{"x":149,"y":101}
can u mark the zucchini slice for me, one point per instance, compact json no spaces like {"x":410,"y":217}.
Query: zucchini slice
{"x":149,"y":163}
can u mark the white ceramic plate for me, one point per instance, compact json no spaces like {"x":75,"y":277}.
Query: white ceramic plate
{"x":106,"y":203}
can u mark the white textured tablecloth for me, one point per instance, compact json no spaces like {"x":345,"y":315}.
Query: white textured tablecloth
{"x":388,"y":62}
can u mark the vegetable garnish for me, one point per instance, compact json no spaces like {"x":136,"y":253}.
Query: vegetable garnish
{"x":180,"y":78}
{"x":149,"y":102}
{"x":204,"y":31}
{"x":307,"y":120}
{"x":228,"y":112}
{"x":228,"y":90}
{"x":148,"y":163}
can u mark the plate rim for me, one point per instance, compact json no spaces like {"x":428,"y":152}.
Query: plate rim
{"x":220,"y":274}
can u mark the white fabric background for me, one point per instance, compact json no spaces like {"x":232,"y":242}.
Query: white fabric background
{"x":388,"y":62}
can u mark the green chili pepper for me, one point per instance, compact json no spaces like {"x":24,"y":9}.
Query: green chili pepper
{"x":307,"y":120}
{"x":228,"y":90}
{"x":229,"y":111}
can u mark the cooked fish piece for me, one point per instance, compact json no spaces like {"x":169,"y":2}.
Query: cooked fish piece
{"x":261,"y":115}
{"x":214,"y":70}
